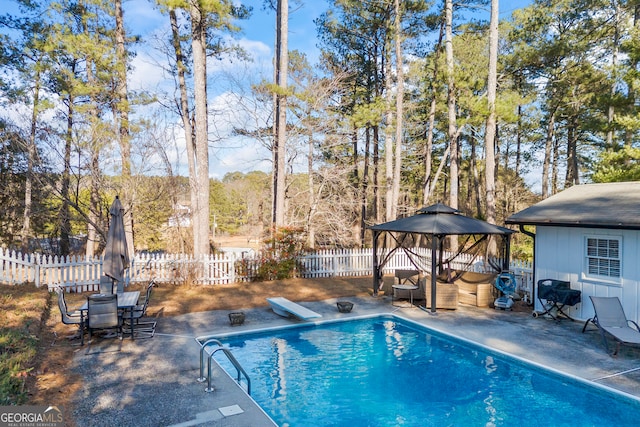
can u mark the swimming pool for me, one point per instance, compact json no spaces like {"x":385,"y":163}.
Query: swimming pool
{"x":384,"y":371}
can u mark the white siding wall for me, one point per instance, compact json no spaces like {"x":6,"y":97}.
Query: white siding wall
{"x":560,"y":255}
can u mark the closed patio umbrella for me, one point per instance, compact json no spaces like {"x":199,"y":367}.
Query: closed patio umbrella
{"x":116,"y":253}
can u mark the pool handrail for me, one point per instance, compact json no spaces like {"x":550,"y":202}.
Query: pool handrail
{"x":239,"y":369}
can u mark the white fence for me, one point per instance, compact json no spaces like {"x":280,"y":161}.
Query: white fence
{"x":82,"y":274}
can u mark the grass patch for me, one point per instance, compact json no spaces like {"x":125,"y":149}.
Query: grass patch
{"x":24,"y":307}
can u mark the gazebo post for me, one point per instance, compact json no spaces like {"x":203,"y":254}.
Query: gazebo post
{"x":434,"y":264}
{"x":376,"y":273}
{"x":506,"y":257}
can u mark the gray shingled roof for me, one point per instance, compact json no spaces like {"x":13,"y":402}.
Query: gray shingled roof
{"x":610,"y":205}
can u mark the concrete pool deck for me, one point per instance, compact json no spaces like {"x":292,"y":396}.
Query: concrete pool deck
{"x":153,"y":382}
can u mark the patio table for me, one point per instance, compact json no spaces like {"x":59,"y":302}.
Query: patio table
{"x":406,"y":280}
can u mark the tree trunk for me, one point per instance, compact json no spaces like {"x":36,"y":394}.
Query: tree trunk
{"x":518,"y":141}
{"x":632,"y":91}
{"x":490,"y":129}
{"x":64,"y":214}
{"x":201,"y":212}
{"x":428,"y":159}
{"x":94,"y":165}
{"x":388,"y":133}
{"x":554,"y":170}
{"x":611,"y":144}
{"x":94,"y":201}
{"x":282,"y":62}
{"x":451,"y":108}
{"x":311,"y":237}
{"x":31,"y":156}
{"x":376,"y":172}
{"x":436,"y":176}
{"x":548,"y":145}
{"x":122,"y":104}
{"x":365,"y":187}
{"x":187,"y":123}
{"x":399,"y":110}
{"x":573,"y":173}
{"x":122,"y":120}
{"x":354,"y":159}
{"x":473,"y":164}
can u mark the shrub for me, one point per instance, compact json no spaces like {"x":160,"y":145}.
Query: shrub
{"x":279,"y":258}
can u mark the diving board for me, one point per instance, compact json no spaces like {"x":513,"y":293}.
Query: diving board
{"x":286,"y":308}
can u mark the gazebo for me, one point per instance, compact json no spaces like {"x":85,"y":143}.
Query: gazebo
{"x":432,"y":223}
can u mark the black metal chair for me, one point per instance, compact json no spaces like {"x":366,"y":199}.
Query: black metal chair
{"x":147,"y":295}
{"x":102,"y":313}
{"x":144,"y":328}
{"x":75,"y":317}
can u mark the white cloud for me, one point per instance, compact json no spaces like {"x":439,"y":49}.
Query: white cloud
{"x":147,"y":73}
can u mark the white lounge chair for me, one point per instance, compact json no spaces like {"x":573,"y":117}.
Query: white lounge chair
{"x":610,"y":318}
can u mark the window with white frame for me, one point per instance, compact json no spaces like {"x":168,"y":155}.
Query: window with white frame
{"x":603,"y":257}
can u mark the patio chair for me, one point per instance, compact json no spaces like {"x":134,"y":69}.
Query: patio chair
{"x":75,"y":317}
{"x":147,"y":295}
{"x":106,"y":285}
{"x":610,"y":319}
{"x":145,"y":328}
{"x":102,"y":313}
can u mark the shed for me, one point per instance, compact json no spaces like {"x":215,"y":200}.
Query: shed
{"x":434,"y":223}
{"x":589,"y":235}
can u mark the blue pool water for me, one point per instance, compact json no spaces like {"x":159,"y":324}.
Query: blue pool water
{"x":386,"y":372}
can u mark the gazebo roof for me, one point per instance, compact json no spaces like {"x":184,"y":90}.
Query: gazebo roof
{"x":440,"y":220}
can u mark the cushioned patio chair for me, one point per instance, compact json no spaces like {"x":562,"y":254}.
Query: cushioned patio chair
{"x":610,"y":319}
{"x":75,"y":317}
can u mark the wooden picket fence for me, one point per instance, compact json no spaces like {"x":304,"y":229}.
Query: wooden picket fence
{"x":81,"y":273}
